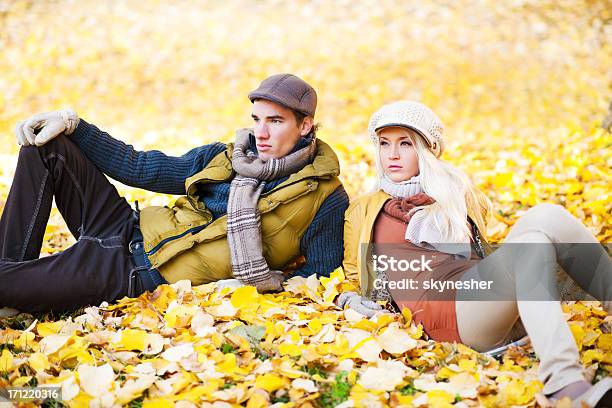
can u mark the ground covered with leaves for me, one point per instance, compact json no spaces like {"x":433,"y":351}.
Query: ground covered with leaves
{"x":204,"y":347}
{"x":523,"y":88}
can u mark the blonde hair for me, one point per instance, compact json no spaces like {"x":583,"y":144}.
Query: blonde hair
{"x":455,"y":194}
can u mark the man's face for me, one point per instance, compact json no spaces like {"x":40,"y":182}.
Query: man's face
{"x":276,"y":129}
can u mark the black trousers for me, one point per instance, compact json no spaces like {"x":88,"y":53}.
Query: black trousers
{"x":97,"y":267}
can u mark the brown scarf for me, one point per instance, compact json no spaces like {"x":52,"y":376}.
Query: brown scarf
{"x":400,"y":208}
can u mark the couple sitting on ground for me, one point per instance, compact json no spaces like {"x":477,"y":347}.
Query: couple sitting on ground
{"x":251,"y":207}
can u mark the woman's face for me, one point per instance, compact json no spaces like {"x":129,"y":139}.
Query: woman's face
{"x":397,"y":154}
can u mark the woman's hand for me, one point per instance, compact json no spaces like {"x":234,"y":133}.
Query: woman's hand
{"x":358,"y":303}
{"x":48,"y":124}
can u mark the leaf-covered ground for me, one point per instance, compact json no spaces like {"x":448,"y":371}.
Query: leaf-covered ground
{"x":522,"y":88}
{"x":202,"y":347}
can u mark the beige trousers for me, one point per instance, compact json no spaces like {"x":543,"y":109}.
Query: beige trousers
{"x":553,"y":236}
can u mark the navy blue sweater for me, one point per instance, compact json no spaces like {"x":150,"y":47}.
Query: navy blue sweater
{"x":321,"y":244}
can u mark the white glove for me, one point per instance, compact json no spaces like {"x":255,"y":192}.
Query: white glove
{"x":358,"y":303}
{"x":49,"y":124}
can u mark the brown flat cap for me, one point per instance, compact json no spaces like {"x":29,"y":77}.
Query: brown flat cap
{"x":287,"y":90}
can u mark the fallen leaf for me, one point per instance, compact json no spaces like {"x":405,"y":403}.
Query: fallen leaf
{"x":95,"y":381}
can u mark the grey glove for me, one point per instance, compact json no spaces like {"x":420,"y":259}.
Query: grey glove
{"x":49,"y":124}
{"x":358,"y":303}
{"x":274,"y":284}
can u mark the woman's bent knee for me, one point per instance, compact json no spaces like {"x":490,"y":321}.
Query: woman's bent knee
{"x":551,"y":219}
{"x":548,"y":212}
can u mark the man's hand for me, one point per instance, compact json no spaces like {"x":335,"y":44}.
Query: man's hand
{"x":358,"y":303}
{"x":48,"y":124}
{"x":274,"y":284}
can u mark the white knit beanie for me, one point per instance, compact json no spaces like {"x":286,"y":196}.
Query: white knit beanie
{"x":412,"y":115}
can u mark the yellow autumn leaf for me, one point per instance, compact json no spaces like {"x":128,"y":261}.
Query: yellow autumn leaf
{"x":257,"y":400}
{"x":384,"y":319}
{"x":132,"y":339}
{"x":180,"y":315}
{"x":406,"y":400}
{"x":592,"y":355}
{"x":407,"y":314}
{"x":269,"y":382}
{"x":516,"y":392}
{"x":228,"y":365}
{"x":158,"y":403}
{"x":578,"y":333}
{"x":244,"y":296}
{"x":6,"y":361}
{"x":604,"y":342}
{"x":194,"y":394}
{"x":590,"y":337}
{"x":288,"y":349}
{"x":363,"y":344}
{"x":163,"y":295}
{"x":467,"y":365}
{"x":445,"y":373}
{"x":39,"y":362}
{"x":45,"y":329}
{"x":336,"y":276}
{"x":82,"y":399}
{"x":21,"y":381}
{"x":74,"y":347}
{"x":315,"y":325}
{"x":25,"y":341}
{"x":439,"y":399}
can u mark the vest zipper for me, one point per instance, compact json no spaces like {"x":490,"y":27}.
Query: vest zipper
{"x":287,"y":185}
{"x":166,"y":240}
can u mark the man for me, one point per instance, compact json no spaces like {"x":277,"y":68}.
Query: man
{"x":248,"y":208}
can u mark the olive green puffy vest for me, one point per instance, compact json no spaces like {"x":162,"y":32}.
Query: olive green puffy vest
{"x":181,"y":245}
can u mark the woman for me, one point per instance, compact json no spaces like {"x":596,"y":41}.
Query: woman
{"x":427,"y":214}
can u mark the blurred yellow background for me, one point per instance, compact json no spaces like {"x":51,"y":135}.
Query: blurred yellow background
{"x":522,"y":86}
